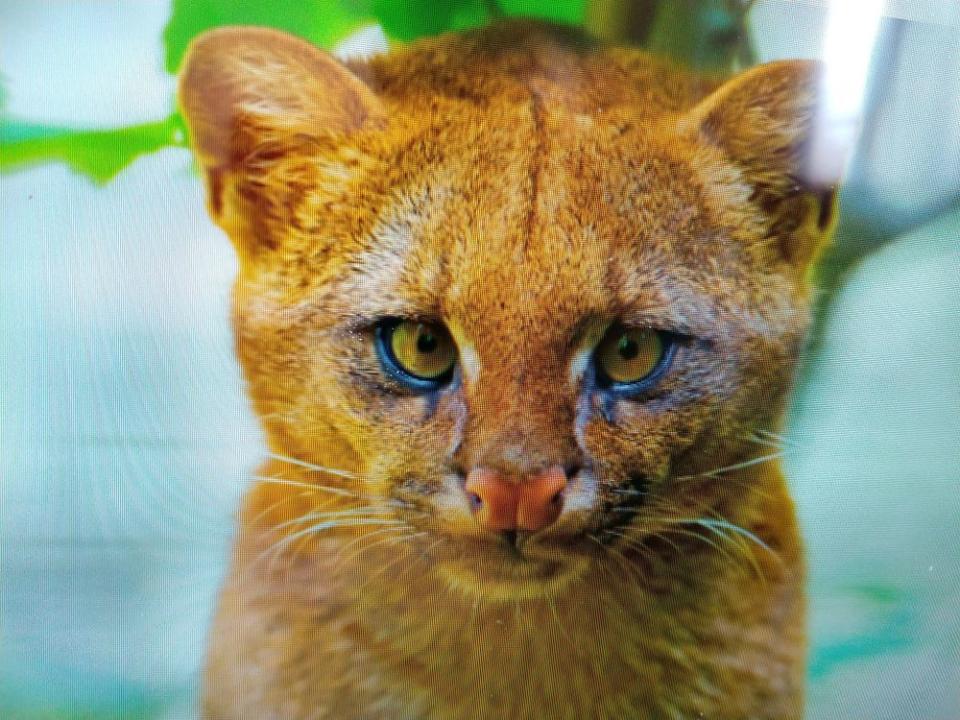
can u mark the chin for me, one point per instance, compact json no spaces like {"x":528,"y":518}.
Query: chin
{"x":503,"y":574}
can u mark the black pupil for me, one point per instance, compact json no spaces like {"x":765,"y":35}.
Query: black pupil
{"x":426,"y":342}
{"x":628,"y":348}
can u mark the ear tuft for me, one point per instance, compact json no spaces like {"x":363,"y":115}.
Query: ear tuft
{"x":242,"y":85}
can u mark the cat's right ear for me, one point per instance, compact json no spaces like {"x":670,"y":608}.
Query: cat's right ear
{"x":251,"y":94}
{"x":764,"y":120}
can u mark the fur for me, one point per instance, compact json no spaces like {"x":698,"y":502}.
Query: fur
{"x":527,"y":189}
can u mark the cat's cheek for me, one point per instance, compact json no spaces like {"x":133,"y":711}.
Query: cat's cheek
{"x":618,"y":450}
{"x":424,"y":426}
{"x":641,"y":439}
{"x":451,"y":509}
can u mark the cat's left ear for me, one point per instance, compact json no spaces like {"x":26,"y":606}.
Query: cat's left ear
{"x":764,"y":121}
{"x":251,"y":94}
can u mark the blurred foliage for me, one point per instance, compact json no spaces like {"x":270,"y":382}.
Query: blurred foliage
{"x":710,"y":35}
{"x":326,"y":22}
{"x":891,"y":628}
{"x":416,"y":18}
{"x":571,"y":12}
{"x":98,"y":154}
{"x":707,"y":35}
{"x":322,"y":22}
{"x":411,"y":19}
{"x":697,"y":31}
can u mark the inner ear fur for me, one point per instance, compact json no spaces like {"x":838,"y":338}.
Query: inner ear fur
{"x":764,"y":121}
{"x":247,"y":93}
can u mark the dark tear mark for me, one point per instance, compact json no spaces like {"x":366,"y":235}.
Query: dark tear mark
{"x":627,"y":503}
{"x":430,"y":403}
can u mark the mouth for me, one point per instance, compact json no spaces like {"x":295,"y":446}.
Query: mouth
{"x":498,"y":576}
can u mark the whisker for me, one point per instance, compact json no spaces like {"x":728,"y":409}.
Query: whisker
{"x":742,"y":547}
{"x":340,"y":523}
{"x":672,"y":515}
{"x":393,"y":536}
{"x":273,"y":506}
{"x":556,"y":618}
{"x":737,"y":530}
{"x":720,"y":528}
{"x":316,"y":468}
{"x":401,"y":557}
{"x":759,"y":460}
{"x":625,"y":510}
{"x":638,"y":542}
{"x":309,"y":486}
{"x":778,"y":438}
{"x":604,"y":556}
{"x":766,"y":442}
{"x":617,"y":554}
{"x":624,"y":562}
{"x":629,"y":491}
{"x":355,"y":512}
{"x":694,"y":534}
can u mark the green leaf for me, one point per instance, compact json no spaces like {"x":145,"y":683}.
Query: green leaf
{"x":98,"y":154}
{"x":322,"y":22}
{"x":569,"y":12}
{"x":409,"y":19}
{"x":710,"y":35}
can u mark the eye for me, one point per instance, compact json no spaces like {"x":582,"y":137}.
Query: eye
{"x":629,"y":358}
{"x":421,"y":355}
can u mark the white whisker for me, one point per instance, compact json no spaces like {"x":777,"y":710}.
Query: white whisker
{"x":309,"y":486}
{"x":316,"y":468}
{"x":759,"y":460}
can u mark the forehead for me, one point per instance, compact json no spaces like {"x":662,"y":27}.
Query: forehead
{"x":539,"y":215}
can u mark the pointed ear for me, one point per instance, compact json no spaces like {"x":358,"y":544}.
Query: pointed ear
{"x":250,"y":94}
{"x":765,"y":122}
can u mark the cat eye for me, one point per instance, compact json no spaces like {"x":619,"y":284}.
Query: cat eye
{"x":420,"y":355}
{"x":630,"y":358}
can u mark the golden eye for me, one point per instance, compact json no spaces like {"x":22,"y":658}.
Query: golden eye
{"x":628,"y":355}
{"x":424,"y":351}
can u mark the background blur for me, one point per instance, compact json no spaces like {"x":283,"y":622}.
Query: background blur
{"x":126,"y":438}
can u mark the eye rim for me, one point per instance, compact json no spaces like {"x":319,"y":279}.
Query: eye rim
{"x":669,"y":342}
{"x":395,"y":370}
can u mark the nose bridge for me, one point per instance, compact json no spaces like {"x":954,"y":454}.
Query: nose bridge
{"x":519,"y":421}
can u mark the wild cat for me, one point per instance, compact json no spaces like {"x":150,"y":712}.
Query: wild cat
{"x":519,"y":315}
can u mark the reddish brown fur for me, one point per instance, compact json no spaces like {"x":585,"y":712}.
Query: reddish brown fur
{"x":526,"y":190}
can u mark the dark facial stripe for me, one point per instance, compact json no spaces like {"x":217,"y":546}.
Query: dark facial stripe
{"x":628,"y":501}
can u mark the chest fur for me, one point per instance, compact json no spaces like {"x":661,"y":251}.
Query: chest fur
{"x":661,"y":636}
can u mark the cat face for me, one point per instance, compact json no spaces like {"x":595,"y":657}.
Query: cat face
{"x":537,"y":317}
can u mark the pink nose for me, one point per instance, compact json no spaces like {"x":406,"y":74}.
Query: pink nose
{"x":500,"y":504}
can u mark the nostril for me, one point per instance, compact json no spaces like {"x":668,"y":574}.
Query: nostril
{"x":492,"y":499}
{"x":511,"y":537}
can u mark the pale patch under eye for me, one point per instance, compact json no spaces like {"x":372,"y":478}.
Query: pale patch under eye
{"x":581,"y":493}
{"x":450,"y":502}
{"x":469,"y":361}
{"x":578,"y":365}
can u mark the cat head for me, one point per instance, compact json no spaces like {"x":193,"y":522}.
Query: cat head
{"x":533,"y":294}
